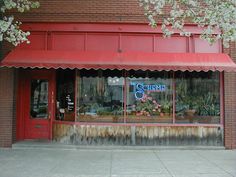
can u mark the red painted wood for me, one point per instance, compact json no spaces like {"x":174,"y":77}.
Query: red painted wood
{"x":35,"y":128}
{"x":68,"y":41}
{"x":174,"y":96}
{"x":125,"y":97}
{"x":202,"y":46}
{"x":171,"y":45}
{"x":136,"y":124}
{"x":133,"y":42}
{"x":37,"y":42}
{"x":112,"y":37}
{"x":20,"y":106}
{"x":102,"y":42}
{"x":76,"y":93}
{"x":222,"y":110}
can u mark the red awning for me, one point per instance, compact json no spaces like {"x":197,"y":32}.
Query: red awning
{"x":125,"y":60}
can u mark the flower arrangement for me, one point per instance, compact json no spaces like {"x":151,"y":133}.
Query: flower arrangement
{"x":147,"y":106}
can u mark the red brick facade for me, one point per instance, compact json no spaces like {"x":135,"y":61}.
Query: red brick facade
{"x":98,"y":11}
{"x":6,"y":106}
{"x":230,"y":103}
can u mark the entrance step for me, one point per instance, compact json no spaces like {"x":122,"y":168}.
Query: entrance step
{"x":44,"y":144}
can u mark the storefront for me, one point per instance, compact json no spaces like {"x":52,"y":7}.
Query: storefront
{"x":119,"y":84}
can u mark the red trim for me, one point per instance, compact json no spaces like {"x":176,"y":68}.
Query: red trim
{"x":19,"y":113}
{"x":125,"y":96}
{"x":75,"y":96}
{"x":137,"y":124}
{"x":23,"y":101}
{"x":222,"y":98}
{"x":174,"y":94}
{"x":114,"y":60}
{"x":53,"y":102}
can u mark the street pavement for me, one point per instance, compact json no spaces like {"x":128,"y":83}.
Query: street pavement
{"x":56,"y":162}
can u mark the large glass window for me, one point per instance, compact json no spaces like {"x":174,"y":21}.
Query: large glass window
{"x":197,"y":97}
{"x":138,"y":96}
{"x":149,"y":97}
{"x":100,"y":96}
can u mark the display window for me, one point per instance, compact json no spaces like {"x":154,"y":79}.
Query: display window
{"x":100,"y":96}
{"x":149,"y":97}
{"x":119,"y":96}
{"x":197,"y":97}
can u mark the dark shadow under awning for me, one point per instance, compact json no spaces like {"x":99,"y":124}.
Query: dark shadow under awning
{"x":115,"y":60}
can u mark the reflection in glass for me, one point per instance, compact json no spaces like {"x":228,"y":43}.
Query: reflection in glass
{"x":39,"y":99}
{"x":65,"y":95}
{"x":100,"y":97}
{"x":197,"y":97}
{"x":149,"y":97}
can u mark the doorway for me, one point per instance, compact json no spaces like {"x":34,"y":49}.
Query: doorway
{"x":36,"y":104}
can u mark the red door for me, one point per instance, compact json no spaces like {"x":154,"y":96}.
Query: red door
{"x":39,"y":104}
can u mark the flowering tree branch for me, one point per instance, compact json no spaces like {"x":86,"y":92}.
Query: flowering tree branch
{"x":9,"y":29}
{"x":211,"y":15}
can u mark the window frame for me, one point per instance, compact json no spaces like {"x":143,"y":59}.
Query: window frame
{"x":124,"y":123}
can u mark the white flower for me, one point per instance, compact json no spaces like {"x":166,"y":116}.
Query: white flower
{"x":9,"y":29}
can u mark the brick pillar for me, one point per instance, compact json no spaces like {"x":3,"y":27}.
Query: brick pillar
{"x":6,"y":106}
{"x":230,"y":103}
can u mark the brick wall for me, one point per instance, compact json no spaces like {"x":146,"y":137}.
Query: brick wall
{"x":86,"y":11}
{"x":230,"y":103}
{"x":6,"y":106}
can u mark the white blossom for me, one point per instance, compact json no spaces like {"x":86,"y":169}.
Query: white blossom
{"x":211,"y":15}
{"x":9,"y":29}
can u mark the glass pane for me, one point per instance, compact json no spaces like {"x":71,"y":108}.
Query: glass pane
{"x":39,"y":99}
{"x":149,"y":97}
{"x":100,"y":96}
{"x":65,"y":95}
{"x":197,"y":97}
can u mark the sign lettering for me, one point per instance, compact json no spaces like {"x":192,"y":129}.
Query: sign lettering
{"x":140,"y":88}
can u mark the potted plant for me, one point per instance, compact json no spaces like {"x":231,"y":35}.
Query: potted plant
{"x":190,"y":105}
{"x":147,"y":106}
{"x":166,"y":107}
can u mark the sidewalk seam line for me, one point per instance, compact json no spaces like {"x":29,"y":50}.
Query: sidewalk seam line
{"x":163,"y":164}
{"x":213,"y":163}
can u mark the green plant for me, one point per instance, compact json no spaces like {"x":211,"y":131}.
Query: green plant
{"x":147,"y":106}
{"x":166,"y":106}
{"x":207,"y":105}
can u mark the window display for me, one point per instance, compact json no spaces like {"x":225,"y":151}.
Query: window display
{"x":197,"y":97}
{"x":149,"y":97}
{"x":100,"y":96}
{"x":138,"y":96}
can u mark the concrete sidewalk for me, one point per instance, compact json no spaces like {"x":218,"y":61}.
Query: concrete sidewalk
{"x":116,"y":163}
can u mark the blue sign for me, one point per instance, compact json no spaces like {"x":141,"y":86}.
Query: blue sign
{"x":140,"y":88}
